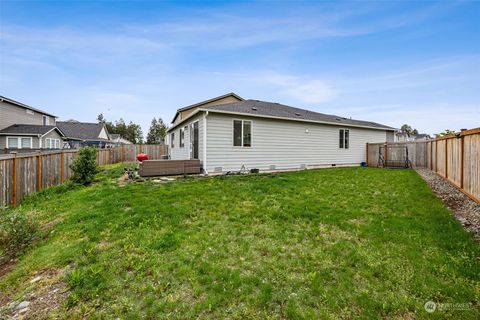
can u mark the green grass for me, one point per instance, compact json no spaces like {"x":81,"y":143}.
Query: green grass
{"x":333,"y":243}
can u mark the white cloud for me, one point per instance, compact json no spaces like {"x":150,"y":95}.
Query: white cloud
{"x":302,"y":89}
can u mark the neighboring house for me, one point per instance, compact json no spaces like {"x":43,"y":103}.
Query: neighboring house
{"x":23,"y":128}
{"x":78,"y":133}
{"x":227,"y":136}
{"x":421,"y":137}
{"x":407,"y":137}
{"x":30,"y":136}
{"x":118,"y":140}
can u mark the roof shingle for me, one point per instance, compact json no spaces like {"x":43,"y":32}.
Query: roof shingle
{"x":27,"y":129}
{"x":81,"y":130}
{"x":263,"y":108}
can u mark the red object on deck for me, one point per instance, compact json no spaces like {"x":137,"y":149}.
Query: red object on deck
{"x":142,"y":156}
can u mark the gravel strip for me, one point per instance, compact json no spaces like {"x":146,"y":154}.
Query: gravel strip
{"x":465,"y":209}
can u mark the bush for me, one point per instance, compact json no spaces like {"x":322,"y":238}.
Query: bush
{"x":84,"y":166}
{"x":17,"y":230}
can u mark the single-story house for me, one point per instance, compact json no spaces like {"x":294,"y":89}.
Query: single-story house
{"x":118,"y":140}
{"x":229,"y":133}
{"x":30,"y":136}
{"x":78,"y":134}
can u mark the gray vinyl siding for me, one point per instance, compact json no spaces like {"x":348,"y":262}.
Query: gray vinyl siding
{"x":178,"y":153}
{"x":11,"y":114}
{"x":284,"y":144}
{"x":52,"y":135}
{"x":3,"y":142}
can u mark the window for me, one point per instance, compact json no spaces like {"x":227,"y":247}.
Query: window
{"x":242,"y":133}
{"x":12,"y":142}
{"x":172,"y":140}
{"x":344,"y":139}
{"x":52,"y":143}
{"x":45,"y":120}
{"x":26,"y":142}
{"x":19,"y":142}
{"x":182,"y":137}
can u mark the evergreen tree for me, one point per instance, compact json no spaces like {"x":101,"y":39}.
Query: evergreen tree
{"x":157,"y":132}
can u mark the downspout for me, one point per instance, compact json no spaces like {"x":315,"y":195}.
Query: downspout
{"x":205,"y":171}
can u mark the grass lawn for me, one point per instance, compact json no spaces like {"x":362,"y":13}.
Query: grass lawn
{"x":333,"y":243}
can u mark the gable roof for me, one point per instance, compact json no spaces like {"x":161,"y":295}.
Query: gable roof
{"x":19,"y":104}
{"x":230,"y":94}
{"x":281,"y":111}
{"x":81,"y":130}
{"x":29,"y":130}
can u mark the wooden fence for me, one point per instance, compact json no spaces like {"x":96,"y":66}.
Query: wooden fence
{"x":416,"y":152}
{"x":455,"y":158}
{"x":23,"y":174}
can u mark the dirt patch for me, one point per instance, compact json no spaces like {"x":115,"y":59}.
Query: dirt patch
{"x":44,"y":293}
{"x":465,"y":209}
{"x":6,"y":266}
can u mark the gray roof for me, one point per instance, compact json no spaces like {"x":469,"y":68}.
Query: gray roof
{"x":262,"y":108}
{"x":81,"y":130}
{"x":19,"y":104}
{"x":27,"y":129}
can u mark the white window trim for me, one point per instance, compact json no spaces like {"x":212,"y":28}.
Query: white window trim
{"x":19,"y":141}
{"x":338,"y":136}
{"x":47,"y":121}
{"x":181,"y":142}
{"x":251,"y":134}
{"x":53,"y":143}
{"x":172,"y":140}
{"x":190,"y":138}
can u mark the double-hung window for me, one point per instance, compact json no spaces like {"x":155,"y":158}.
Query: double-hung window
{"x":242,"y":133}
{"x":172,"y":140}
{"x":344,"y":139}
{"x":19,"y":142}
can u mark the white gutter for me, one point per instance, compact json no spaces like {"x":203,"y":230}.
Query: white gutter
{"x":205,"y":171}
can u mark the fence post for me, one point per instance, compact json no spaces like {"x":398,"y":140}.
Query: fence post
{"x":366,"y":157}
{"x":386,"y":152}
{"x":39,"y":171}
{"x":462,"y":156}
{"x":14,"y":171}
{"x":446,"y":158}
{"x":62,"y":169}
{"x":436,"y":156}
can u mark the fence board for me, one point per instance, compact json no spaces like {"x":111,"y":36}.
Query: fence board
{"x":52,"y":164}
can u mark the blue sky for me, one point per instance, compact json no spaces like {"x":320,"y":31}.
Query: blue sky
{"x":391,"y":62}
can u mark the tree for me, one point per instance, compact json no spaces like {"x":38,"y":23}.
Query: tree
{"x":134,"y":133}
{"x":131,"y":131}
{"x":445,"y":133}
{"x":157,"y":132}
{"x":406,"y":129}
{"x":84,"y":166}
{"x":110,"y":127}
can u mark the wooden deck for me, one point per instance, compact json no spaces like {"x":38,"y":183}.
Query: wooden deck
{"x":152,"y":168}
